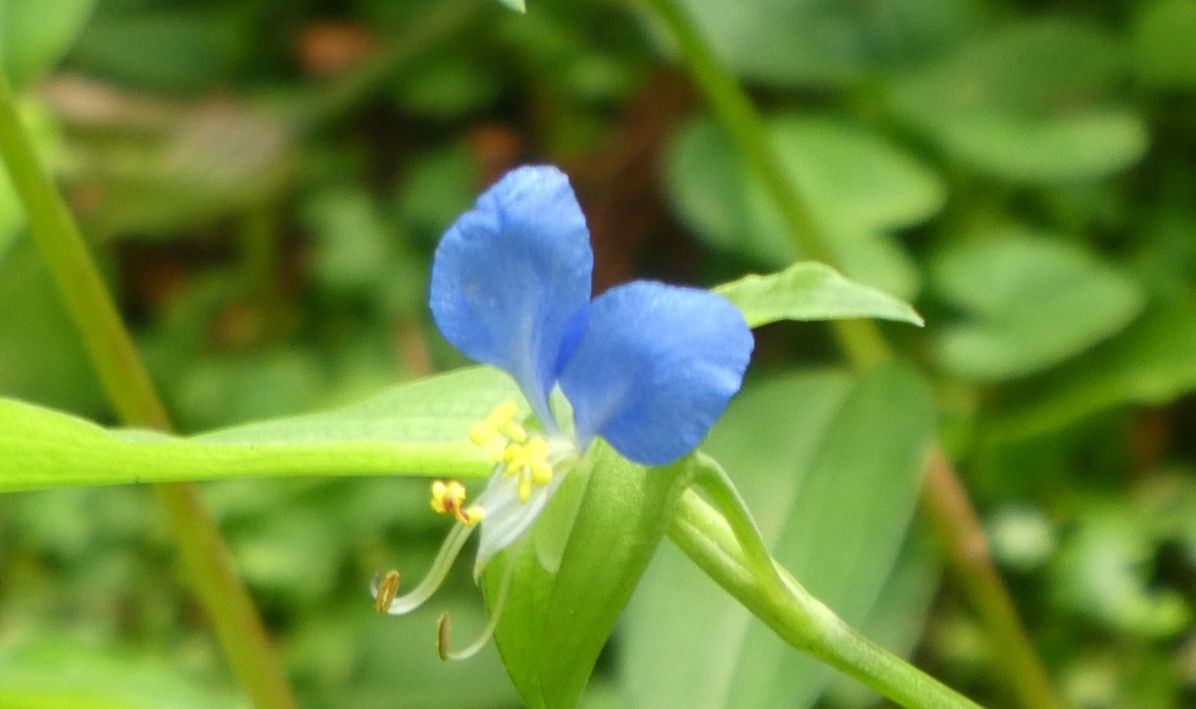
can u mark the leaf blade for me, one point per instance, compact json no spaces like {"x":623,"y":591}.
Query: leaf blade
{"x":811,"y":291}
{"x":419,"y":428}
{"x":795,"y":466}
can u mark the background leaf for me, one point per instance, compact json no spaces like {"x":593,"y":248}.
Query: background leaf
{"x":1151,"y":363}
{"x":811,"y":291}
{"x":839,"y":42}
{"x":42,"y":358}
{"x":61,"y":672}
{"x":1164,"y":54}
{"x":858,"y":185}
{"x":34,"y":35}
{"x":1033,"y":303}
{"x":834,"y":512}
{"x":1028,"y":103}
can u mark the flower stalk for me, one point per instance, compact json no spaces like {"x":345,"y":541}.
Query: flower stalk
{"x":725,"y":544}
{"x":126,"y":382}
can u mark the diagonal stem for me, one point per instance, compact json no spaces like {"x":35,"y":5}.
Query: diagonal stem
{"x":204,"y":555}
{"x":943,"y":495}
{"x":778,"y":600}
{"x":713,"y":481}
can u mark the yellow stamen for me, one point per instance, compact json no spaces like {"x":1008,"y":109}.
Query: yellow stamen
{"x":496,"y":448}
{"x":520,"y":455}
{"x":504,"y":412}
{"x":515,"y":432}
{"x":541,"y":472}
{"x":447,"y":499}
{"x":513,"y":455}
{"x":473,"y":515}
{"x":481,"y":433}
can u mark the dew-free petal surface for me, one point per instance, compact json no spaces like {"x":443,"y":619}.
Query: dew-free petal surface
{"x":654,"y":368}
{"x":510,"y":275}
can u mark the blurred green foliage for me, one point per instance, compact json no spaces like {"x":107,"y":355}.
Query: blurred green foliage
{"x":264,"y":185}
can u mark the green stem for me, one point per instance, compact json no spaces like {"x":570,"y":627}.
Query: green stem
{"x":712,"y":480}
{"x":128,"y":386}
{"x":796,"y":616}
{"x":861,"y":340}
{"x":864,"y":344}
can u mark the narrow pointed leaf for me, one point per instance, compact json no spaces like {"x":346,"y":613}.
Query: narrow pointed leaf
{"x":417,"y":429}
{"x":811,"y":291}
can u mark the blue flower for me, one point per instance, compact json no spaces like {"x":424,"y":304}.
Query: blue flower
{"x":646,"y":366}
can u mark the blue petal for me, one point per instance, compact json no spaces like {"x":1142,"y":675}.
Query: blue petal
{"x":510,"y":275}
{"x":654,"y":368}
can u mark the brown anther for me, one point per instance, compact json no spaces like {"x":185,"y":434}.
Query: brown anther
{"x":444,"y":636}
{"x":387,"y":590}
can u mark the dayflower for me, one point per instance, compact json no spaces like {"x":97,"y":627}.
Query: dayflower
{"x":646,"y":366}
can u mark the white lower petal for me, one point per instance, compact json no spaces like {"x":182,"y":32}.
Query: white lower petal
{"x":508,"y":517}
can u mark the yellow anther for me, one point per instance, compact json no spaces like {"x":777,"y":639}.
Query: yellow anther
{"x":503,"y":413}
{"x":494,"y":432}
{"x":388,"y":588}
{"x":541,"y":472}
{"x":447,"y":498}
{"x":514,"y":456}
{"x":519,"y":455}
{"x":497,"y":449}
{"x":472,"y":515}
{"x":481,"y":433}
{"x":515,"y":432}
{"x":438,"y":489}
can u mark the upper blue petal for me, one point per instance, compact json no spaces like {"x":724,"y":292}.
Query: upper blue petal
{"x":510,"y":275}
{"x":654,"y":368}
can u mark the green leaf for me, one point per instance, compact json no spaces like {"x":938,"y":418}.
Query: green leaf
{"x":858,"y":185}
{"x":34,"y":35}
{"x":41,"y":356}
{"x":1034,"y":301}
{"x":183,"y":167}
{"x":59,"y":672}
{"x":43,"y":131}
{"x":555,"y":624}
{"x":898,"y":619}
{"x":192,"y":47}
{"x":839,"y":42}
{"x":811,"y":291}
{"x":1151,"y":363}
{"x":1032,"y":102}
{"x":12,"y":215}
{"x":516,"y":5}
{"x":830,"y":467}
{"x":1164,"y":53}
{"x":1086,"y":145}
{"x":419,"y":428}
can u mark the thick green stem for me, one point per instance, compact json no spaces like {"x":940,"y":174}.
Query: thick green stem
{"x":714,"y":482}
{"x":864,"y":344}
{"x":796,"y":616}
{"x":128,"y":386}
